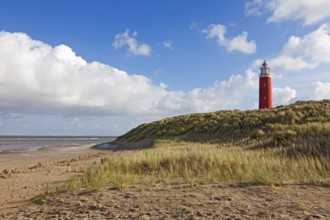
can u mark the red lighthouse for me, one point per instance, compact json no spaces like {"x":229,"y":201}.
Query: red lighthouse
{"x":265,"y":87}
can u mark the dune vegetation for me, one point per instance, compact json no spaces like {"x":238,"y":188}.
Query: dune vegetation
{"x":286,"y":144}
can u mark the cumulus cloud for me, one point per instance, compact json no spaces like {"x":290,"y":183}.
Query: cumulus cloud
{"x":298,"y":55}
{"x":223,"y":94}
{"x":133,"y":47}
{"x":238,"y":43}
{"x":283,"y":96}
{"x":305,"y":52}
{"x":319,"y":90}
{"x":314,"y":46}
{"x":36,"y":78}
{"x":291,"y":64}
{"x":310,"y":12}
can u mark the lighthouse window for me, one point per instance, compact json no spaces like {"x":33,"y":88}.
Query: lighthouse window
{"x":265,"y":84}
{"x":265,"y":97}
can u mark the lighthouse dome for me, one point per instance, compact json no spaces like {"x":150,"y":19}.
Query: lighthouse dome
{"x":265,"y":64}
{"x":264,"y":69}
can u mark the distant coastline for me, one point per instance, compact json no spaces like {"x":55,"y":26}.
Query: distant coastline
{"x":20,"y":143}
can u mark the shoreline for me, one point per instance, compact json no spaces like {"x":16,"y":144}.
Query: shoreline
{"x":20,"y":158}
{"x":21,"y":144}
{"x":24,"y":175}
{"x":107,"y":146}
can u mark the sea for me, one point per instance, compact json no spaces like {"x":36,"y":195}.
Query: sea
{"x":34,"y":143}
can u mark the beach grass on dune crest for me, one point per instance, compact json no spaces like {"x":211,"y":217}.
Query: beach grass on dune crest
{"x":303,"y":118}
{"x":174,"y":162}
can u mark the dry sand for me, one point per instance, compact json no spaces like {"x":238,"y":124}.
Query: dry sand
{"x":25,"y":175}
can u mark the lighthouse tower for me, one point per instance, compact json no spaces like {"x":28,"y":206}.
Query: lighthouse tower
{"x":265,"y":87}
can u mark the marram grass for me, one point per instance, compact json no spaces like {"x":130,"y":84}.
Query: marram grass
{"x":173,"y":162}
{"x":303,"y":118}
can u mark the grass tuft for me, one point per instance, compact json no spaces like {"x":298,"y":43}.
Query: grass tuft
{"x":284,"y":144}
{"x":173,"y":162}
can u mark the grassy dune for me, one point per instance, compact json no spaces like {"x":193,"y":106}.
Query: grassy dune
{"x":284,"y":144}
{"x":302,"y":119}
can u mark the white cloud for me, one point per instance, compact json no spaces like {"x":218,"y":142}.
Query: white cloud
{"x":319,"y":90}
{"x":288,"y":63}
{"x":36,"y":78}
{"x":168,"y":45}
{"x":283,"y":96}
{"x":308,"y":11}
{"x":254,"y":7}
{"x":307,"y":52}
{"x":301,"y":54}
{"x":238,"y":43}
{"x":223,"y":94}
{"x":314,"y":46}
{"x":134,"y":49}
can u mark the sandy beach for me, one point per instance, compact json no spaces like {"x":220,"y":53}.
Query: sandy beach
{"x":26,"y":175}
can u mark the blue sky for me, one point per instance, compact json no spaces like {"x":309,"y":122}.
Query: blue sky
{"x":102,"y":67}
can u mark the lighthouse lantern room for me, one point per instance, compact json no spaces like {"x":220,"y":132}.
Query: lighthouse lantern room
{"x":265,"y":87}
